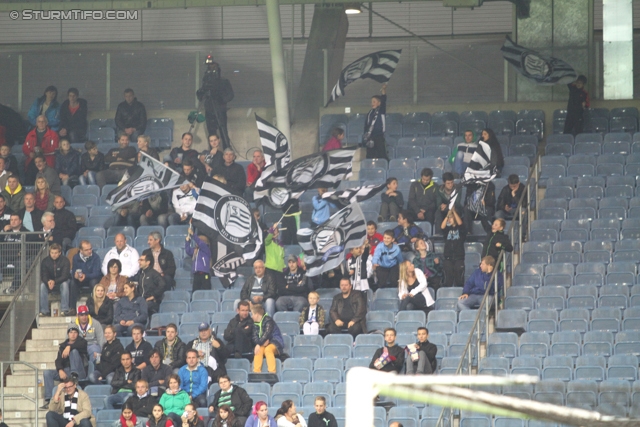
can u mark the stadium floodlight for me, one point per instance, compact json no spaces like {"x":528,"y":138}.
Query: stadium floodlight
{"x":364,"y":384}
{"x":352,"y":8}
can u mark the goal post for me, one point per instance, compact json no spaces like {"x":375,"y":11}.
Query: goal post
{"x":364,"y":384}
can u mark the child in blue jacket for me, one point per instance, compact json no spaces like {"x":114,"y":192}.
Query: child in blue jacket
{"x":321,"y":208}
{"x":386,"y":262}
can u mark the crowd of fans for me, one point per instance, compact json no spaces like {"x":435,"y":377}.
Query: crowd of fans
{"x":165,"y":383}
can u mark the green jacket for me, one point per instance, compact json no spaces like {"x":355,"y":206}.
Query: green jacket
{"x":175,"y":403}
{"x":274,"y":254}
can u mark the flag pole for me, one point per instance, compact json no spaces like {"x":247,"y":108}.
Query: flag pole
{"x":280,"y":220}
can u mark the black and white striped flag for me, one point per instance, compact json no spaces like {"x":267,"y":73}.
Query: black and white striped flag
{"x":540,"y":69}
{"x":354,"y":195}
{"x":479,"y":171}
{"x":148,"y":177}
{"x":321,"y":170}
{"x":378,"y":66}
{"x":325,"y":247}
{"x":227,"y":221}
{"x":275,"y":145}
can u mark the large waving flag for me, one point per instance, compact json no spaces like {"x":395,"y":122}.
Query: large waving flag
{"x":227,"y":220}
{"x":378,"y":66}
{"x":540,"y":69}
{"x":325,"y":247}
{"x":320,"y":170}
{"x":275,"y":145}
{"x":354,"y":195}
{"x":148,"y":177}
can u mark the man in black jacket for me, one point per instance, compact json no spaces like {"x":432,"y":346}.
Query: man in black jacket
{"x":509,"y":198}
{"x":73,"y":117}
{"x":31,"y":216}
{"x":216,"y":92}
{"x":151,"y":285}
{"x":233,"y":172}
{"x":239,"y":332}
{"x":71,"y":357}
{"x":139,"y":348}
{"x":390,"y":357}
{"x":163,"y":261}
{"x":131,"y":116}
{"x":123,"y":383}
{"x":178,"y":155}
{"x":109,"y":357}
{"x":55,"y":273}
{"x":66,"y":224}
{"x":172,"y":349}
{"x":156,"y":374}
{"x":348,"y":311}
{"x":142,"y":401}
{"x":118,"y":160}
{"x":261,"y":288}
{"x":321,"y":418}
{"x":234,"y":396}
{"x":423,"y":359}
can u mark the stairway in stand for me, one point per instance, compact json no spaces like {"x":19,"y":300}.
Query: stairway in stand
{"x":41,"y":351}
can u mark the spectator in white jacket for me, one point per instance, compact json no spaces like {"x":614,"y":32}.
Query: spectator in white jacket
{"x":184,"y":200}
{"x":127,"y":255}
{"x":412,"y":289}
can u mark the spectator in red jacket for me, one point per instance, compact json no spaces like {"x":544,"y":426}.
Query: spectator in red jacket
{"x":41,"y":140}
{"x":335,"y":142}
{"x":255,"y":168}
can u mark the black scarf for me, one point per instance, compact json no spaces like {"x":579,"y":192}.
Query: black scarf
{"x":70,"y":406}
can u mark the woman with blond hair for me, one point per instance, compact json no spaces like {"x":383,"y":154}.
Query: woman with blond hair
{"x":412,"y":289}
{"x":44,"y":198}
{"x":100,"y":306}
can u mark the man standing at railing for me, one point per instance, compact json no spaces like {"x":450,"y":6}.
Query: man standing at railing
{"x":477,"y":283}
{"x":55,"y":273}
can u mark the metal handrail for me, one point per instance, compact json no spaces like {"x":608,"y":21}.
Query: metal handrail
{"x":34,"y":400}
{"x":9,"y":319}
{"x":533,"y":174}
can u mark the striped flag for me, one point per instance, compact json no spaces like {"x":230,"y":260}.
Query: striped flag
{"x":148,"y":177}
{"x":325,"y":247}
{"x":321,"y":170}
{"x":354,"y":195}
{"x":275,"y":145}
{"x":378,"y":66}
{"x":540,"y":69}
{"x":477,"y":177}
{"x":227,"y":221}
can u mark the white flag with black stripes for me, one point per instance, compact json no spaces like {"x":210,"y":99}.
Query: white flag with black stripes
{"x":321,"y":170}
{"x":378,"y":66}
{"x":354,"y":195}
{"x":543,"y":70}
{"x":146,"y":178}
{"x":325,"y":247}
{"x":275,"y":145}
{"x":479,"y":170}
{"x":227,"y":221}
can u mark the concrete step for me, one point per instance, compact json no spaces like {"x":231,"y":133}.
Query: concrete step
{"x":38,"y":356}
{"x":28,"y":417}
{"x":47,"y":364}
{"x":24,"y":389}
{"x":21,"y":405}
{"x":46,"y":321}
{"x":58,"y":332}
{"x":40,"y":345}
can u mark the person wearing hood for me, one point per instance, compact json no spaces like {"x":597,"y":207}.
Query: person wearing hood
{"x":131,"y":116}
{"x":267,"y":339}
{"x":14,"y":193}
{"x":390,"y":357}
{"x":461,"y":156}
{"x":477,"y":283}
{"x":48,"y":106}
{"x":72,"y":354}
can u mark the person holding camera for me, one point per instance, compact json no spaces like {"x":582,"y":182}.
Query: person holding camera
{"x":216,"y":92}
